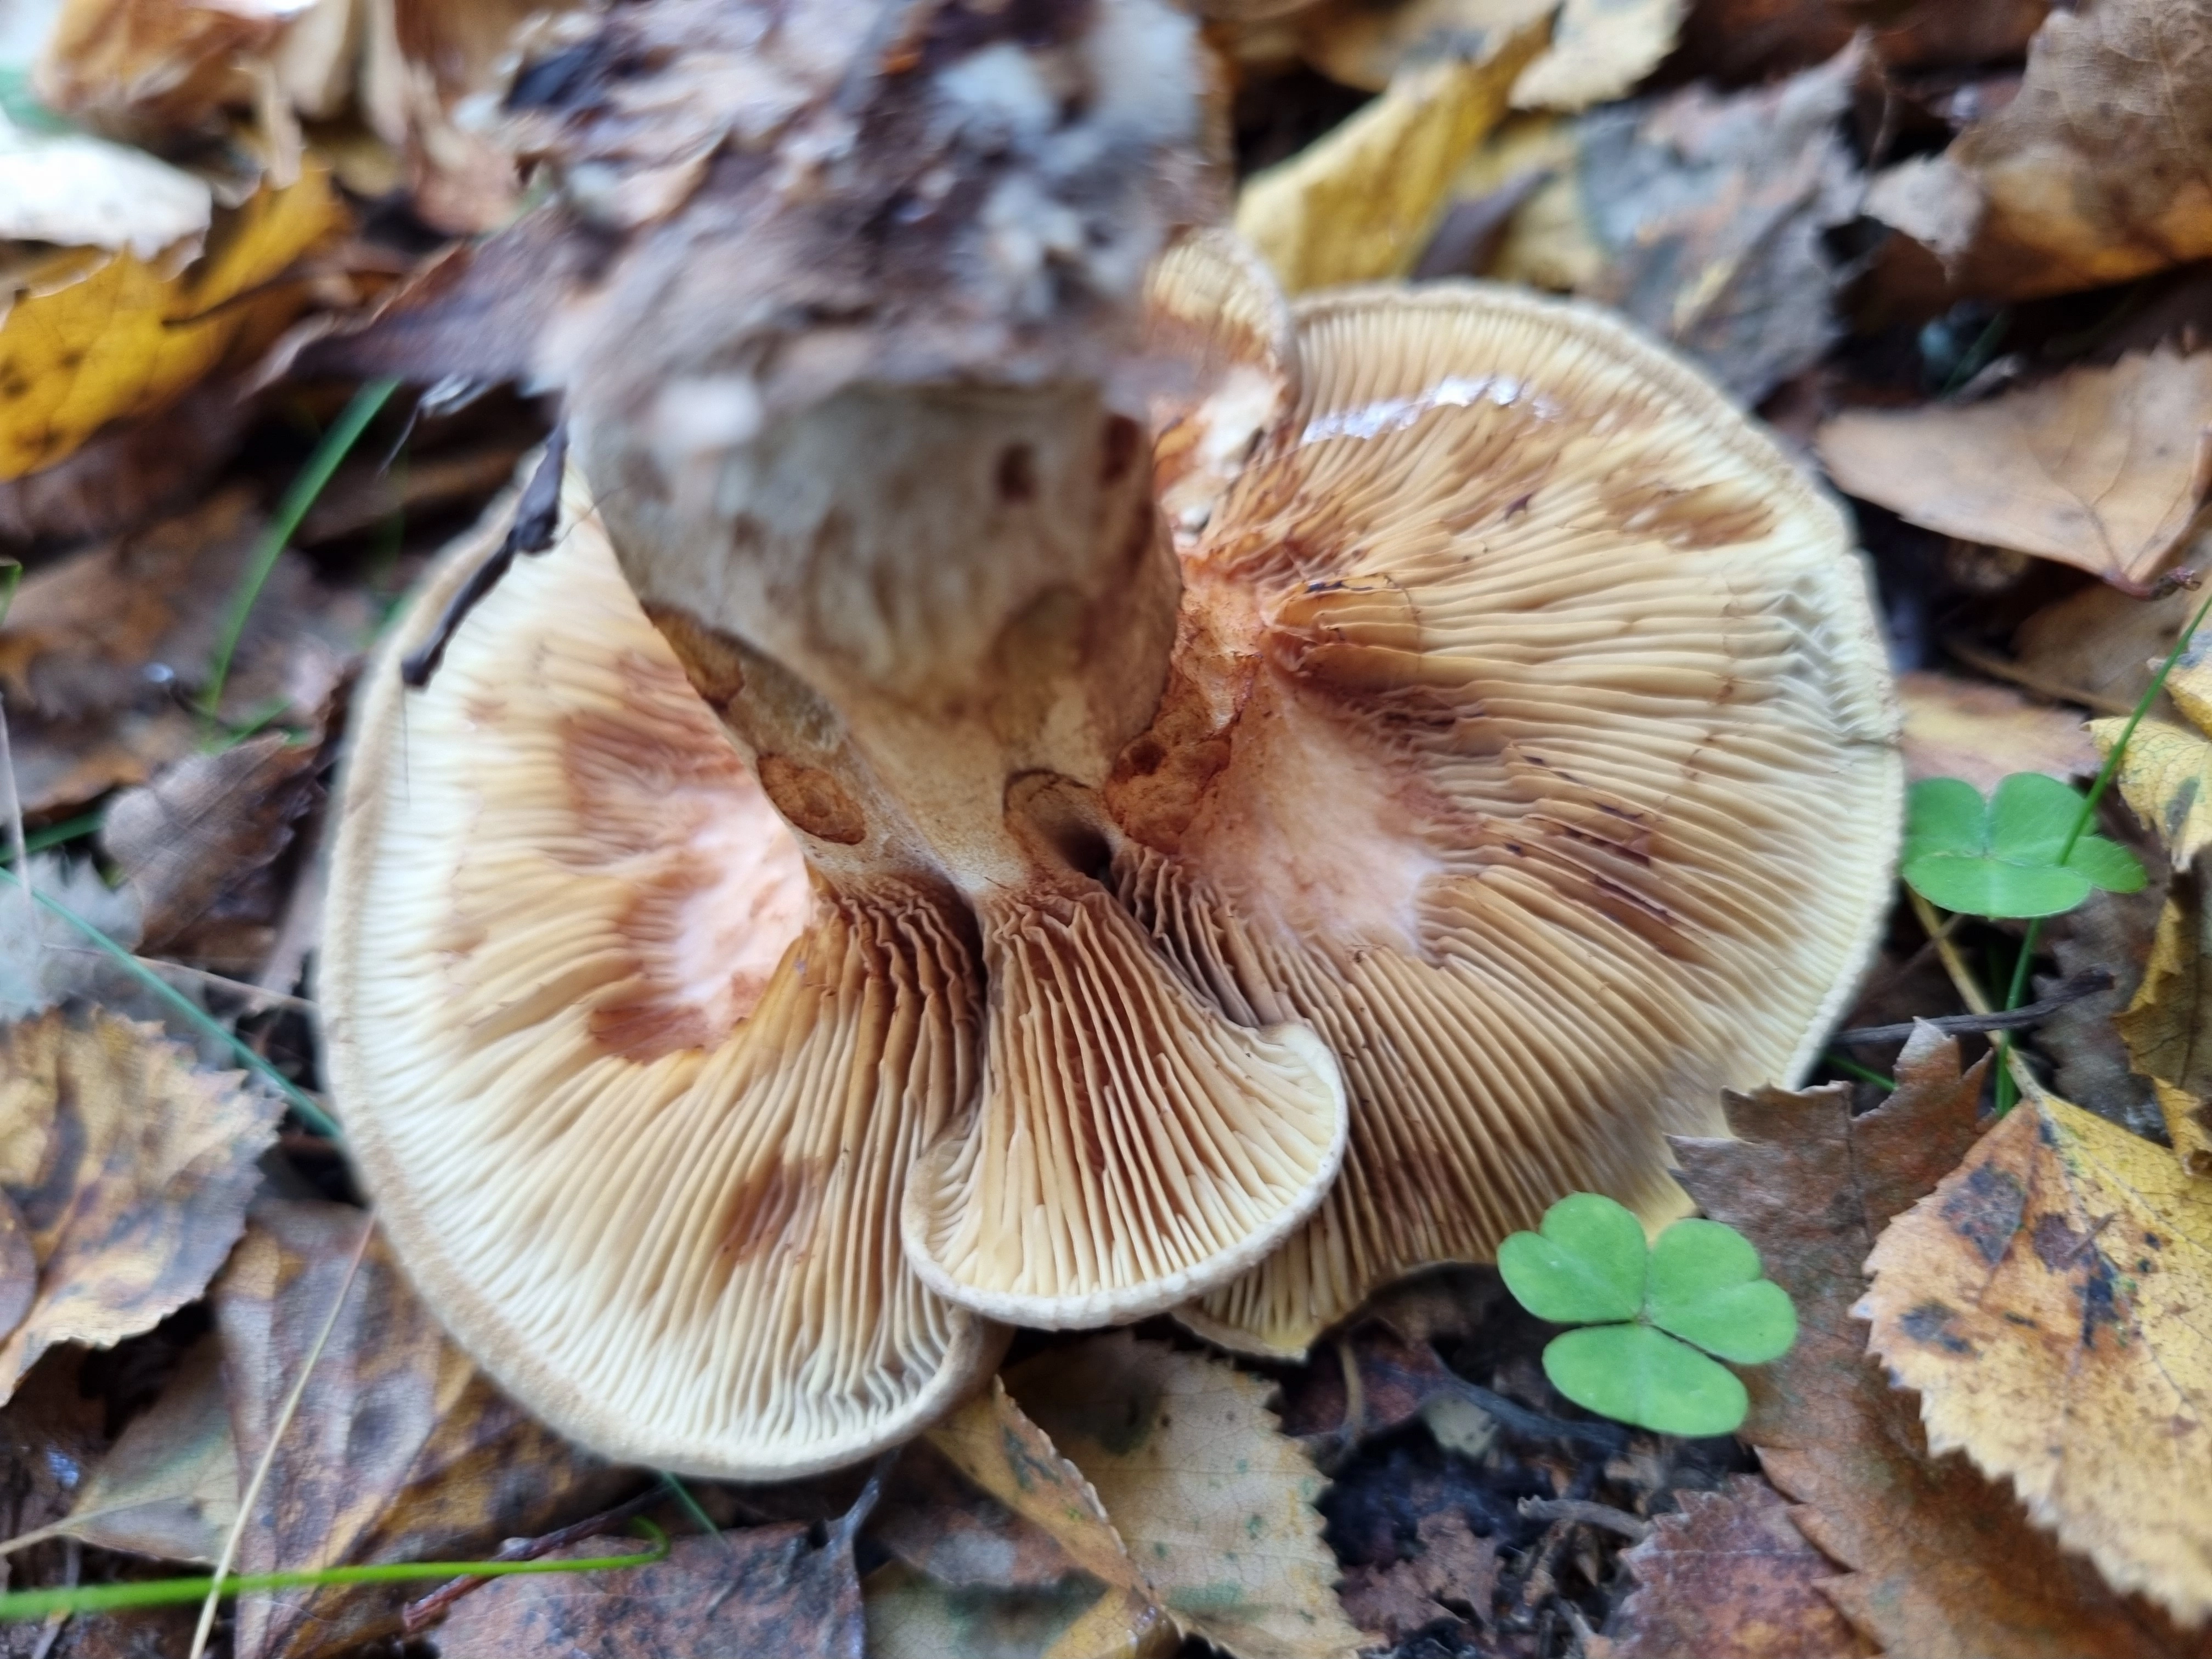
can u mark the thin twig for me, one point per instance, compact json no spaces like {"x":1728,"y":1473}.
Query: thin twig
{"x":1633,"y":1527}
{"x":251,"y":1495}
{"x":420,"y":1613}
{"x":2072,"y":989}
{"x":1968,"y":988}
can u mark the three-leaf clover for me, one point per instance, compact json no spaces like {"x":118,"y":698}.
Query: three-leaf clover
{"x":2000,"y":857}
{"x":1701,"y":1284}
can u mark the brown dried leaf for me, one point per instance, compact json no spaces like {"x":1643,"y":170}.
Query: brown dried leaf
{"x":1743,"y":40}
{"x":939,"y":1524}
{"x":2052,"y":1300}
{"x":1701,"y":215}
{"x":132,"y":1167}
{"x":2168,"y":1026}
{"x":2098,"y":647}
{"x":400,"y":1449}
{"x":1453,"y":1576}
{"x":1729,"y":1577}
{"x":1971,"y":729}
{"x":2166,"y":778}
{"x":1215,"y":1501}
{"x":204,"y":829}
{"x":765,"y":1590}
{"x":2102,"y":468}
{"x":1941,"y":1563}
{"x":2092,"y":174}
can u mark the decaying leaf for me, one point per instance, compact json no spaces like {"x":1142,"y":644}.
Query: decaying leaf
{"x":204,"y":830}
{"x":1700,"y":214}
{"x":2092,"y":174}
{"x":990,"y":1443}
{"x":760,"y":1591}
{"x":131,"y":336}
{"x":1738,"y":41}
{"x":132,"y":1167}
{"x":2168,"y":1026}
{"x":1728,"y":1575}
{"x":169,"y":65}
{"x":1213,"y":1500}
{"x":45,"y":959}
{"x":169,"y":1486}
{"x":76,"y":190}
{"x":2052,"y":1300}
{"x":1448,"y":1574}
{"x":2103,"y":468}
{"x":1971,"y":729}
{"x":1598,"y":49}
{"x":1362,"y":202}
{"x":400,"y":1449}
{"x":2165,"y":777}
{"x":1941,"y":1562}
{"x":2098,"y":647}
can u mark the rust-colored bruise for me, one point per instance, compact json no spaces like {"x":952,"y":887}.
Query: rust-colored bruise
{"x":775,"y":1205}
{"x":1161,"y":778}
{"x":1703,"y":515}
{"x":810,"y":799}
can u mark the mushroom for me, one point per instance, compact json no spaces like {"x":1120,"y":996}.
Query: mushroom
{"x":898,"y":862}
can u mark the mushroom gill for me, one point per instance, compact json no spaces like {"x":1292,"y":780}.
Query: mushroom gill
{"x":1528,"y":736}
{"x":636,"y":1097}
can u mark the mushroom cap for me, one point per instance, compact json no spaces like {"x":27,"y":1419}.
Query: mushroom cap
{"x":1530,"y":736}
{"x":635,"y":1095}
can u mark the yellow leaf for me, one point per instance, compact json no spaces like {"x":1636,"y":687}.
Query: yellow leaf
{"x":1215,"y":1502}
{"x":1600,"y":50}
{"x":2168,"y":1026}
{"x":1362,"y":203}
{"x":132,"y":1168}
{"x":2166,"y":777}
{"x":2051,"y":1302}
{"x":1984,"y":732}
{"x":133,"y":335}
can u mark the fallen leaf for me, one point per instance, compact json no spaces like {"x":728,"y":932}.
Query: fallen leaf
{"x":156,"y":66}
{"x":2168,"y":1026}
{"x":764,"y":1590}
{"x":1452,"y":1575}
{"x":128,"y":470}
{"x":45,"y":959}
{"x":2092,"y":174}
{"x":1727,"y":1575}
{"x":169,"y":1486}
{"x":1215,"y":1501}
{"x":1600,"y":51}
{"x":400,"y":1449}
{"x":133,"y":335}
{"x":2113,"y":931}
{"x":132,"y":1168}
{"x":1362,"y":203}
{"x":2166,"y":778}
{"x":202,"y":831}
{"x":1940,"y":1562}
{"x":74,"y":190}
{"x":944,"y":1526}
{"x":1738,"y":41}
{"x":911,"y":1615}
{"x":990,"y":1443}
{"x":2099,"y":647}
{"x":2050,"y":1300}
{"x":2105,"y":468}
{"x":1971,"y":729}
{"x":1701,"y":215}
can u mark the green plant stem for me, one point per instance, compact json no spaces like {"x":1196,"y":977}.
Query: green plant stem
{"x":2082,"y":820}
{"x":333,"y":448}
{"x":54,"y":835}
{"x":310,"y":1114}
{"x":1864,"y":1074}
{"x":162,"y":1592}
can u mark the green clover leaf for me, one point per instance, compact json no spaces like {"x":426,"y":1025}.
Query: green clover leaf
{"x":2001,"y":857}
{"x":1647,"y":1312}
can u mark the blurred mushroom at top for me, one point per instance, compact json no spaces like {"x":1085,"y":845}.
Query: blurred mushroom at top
{"x":897,"y":863}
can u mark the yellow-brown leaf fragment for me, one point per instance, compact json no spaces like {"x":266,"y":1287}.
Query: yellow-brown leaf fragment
{"x":2168,"y":1026}
{"x":2166,"y":777}
{"x":2051,"y":1301}
{"x":1971,"y":729}
{"x":132,"y":1167}
{"x":2104,"y":468}
{"x":1215,"y":1501}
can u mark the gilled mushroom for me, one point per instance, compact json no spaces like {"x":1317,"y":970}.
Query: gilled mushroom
{"x":980,"y":876}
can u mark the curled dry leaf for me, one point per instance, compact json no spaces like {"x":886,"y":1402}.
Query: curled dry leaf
{"x":1940,"y":1562}
{"x":1728,"y":1575}
{"x":2052,"y":1300}
{"x":2164,"y":775}
{"x":1362,"y":202}
{"x":1971,"y":729}
{"x":1701,"y":215}
{"x":2168,"y":1026}
{"x":130,"y":336}
{"x":1598,"y":49}
{"x":1213,"y":1500}
{"x":169,"y":1486}
{"x":132,"y":1167}
{"x":2099,"y":647}
{"x":76,"y":190}
{"x":2092,"y":174}
{"x":399,"y":1449}
{"x":1450,"y":1574}
{"x":760,"y":1591}
{"x":2102,"y":468}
